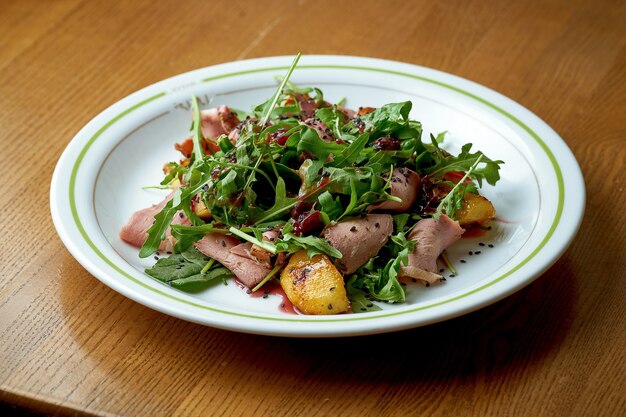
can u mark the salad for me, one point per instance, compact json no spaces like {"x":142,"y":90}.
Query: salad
{"x":342,"y":208}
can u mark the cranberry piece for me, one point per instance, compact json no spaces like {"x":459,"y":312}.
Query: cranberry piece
{"x":307,"y":223}
{"x":279,"y":137}
{"x":386,"y":143}
{"x":427,"y":200}
{"x":300,"y":208}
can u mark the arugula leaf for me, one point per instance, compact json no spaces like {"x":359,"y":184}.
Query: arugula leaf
{"x":400,"y":221}
{"x":228,"y":186}
{"x":386,"y":158}
{"x":392,"y":119}
{"x":163,"y":219}
{"x":310,"y":142}
{"x":358,"y":298}
{"x":225,"y":144}
{"x":389,"y":113}
{"x":385,"y":285}
{"x":463,"y":162}
{"x":381,"y":281}
{"x":314,"y":245}
{"x":196,"y":128}
{"x":342,"y":180}
{"x":399,"y":242}
{"x":270,"y":104}
{"x":175,"y":171}
{"x":354,"y":197}
{"x":156,"y":232}
{"x":453,"y":201}
{"x":282,"y":204}
{"x":350,"y":154}
{"x":331,"y":207}
{"x":310,"y":172}
{"x":188,"y":235}
{"x":332,"y":118}
{"x":439,"y":138}
{"x":292,"y":179}
{"x":292,"y":88}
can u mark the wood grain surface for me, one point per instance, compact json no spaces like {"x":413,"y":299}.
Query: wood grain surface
{"x":69,"y":344}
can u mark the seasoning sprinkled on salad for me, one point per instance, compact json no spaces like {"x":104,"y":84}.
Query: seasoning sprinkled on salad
{"x":341,"y":207}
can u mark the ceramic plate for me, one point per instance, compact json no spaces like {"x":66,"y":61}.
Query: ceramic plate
{"x":98,"y":183}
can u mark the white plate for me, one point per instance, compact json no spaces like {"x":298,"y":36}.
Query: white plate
{"x":98,"y":183}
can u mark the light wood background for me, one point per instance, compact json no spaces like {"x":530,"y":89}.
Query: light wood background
{"x":69,"y":344}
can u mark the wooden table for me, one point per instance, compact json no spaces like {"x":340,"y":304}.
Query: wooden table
{"x":70,"y":344}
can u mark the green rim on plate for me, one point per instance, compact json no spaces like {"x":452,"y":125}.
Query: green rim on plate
{"x":542,"y":144}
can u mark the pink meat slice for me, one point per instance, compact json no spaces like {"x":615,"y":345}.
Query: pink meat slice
{"x":431,"y":236}
{"x":359,"y":239}
{"x":404,"y":185}
{"x":135,"y":231}
{"x":349,"y":113}
{"x":307,"y":106}
{"x":219,"y":247}
{"x":218,"y":121}
{"x":242,"y":249}
{"x":236,"y":131}
{"x":321,"y":129}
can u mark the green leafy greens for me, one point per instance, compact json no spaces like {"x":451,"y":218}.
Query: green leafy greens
{"x":186,"y":270}
{"x":276,"y":171}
